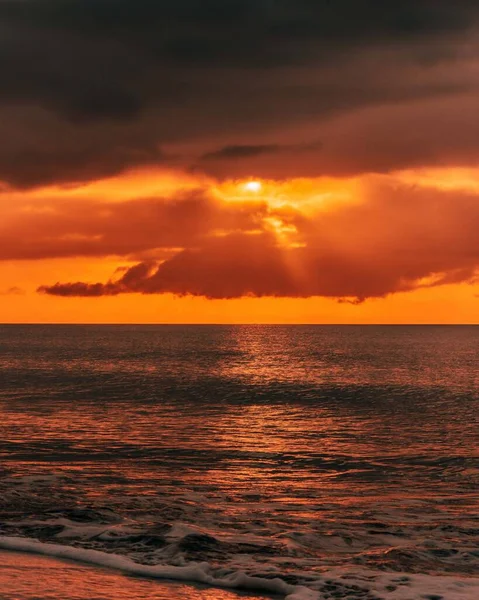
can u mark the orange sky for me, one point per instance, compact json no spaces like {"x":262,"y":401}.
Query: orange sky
{"x":131,"y":136}
{"x":247,"y":161}
{"x":393,"y":248}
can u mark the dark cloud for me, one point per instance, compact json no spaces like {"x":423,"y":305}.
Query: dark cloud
{"x":244,"y":151}
{"x":242,"y":32}
{"x":37,"y":166}
{"x":397,"y":239}
{"x":101,"y":85}
{"x":440,"y":133}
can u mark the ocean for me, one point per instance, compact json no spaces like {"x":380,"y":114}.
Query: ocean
{"x":307,"y":461}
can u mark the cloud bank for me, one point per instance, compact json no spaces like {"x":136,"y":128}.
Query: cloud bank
{"x":93,"y":87}
{"x":396,"y":238}
{"x":239,"y":89}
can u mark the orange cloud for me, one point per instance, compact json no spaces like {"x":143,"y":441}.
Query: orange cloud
{"x":392,"y":238}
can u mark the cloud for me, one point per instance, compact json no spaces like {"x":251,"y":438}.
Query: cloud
{"x":242,"y":151}
{"x":241,"y":89}
{"x":381,"y":139}
{"x":91,"y":227}
{"x":397,"y":238}
{"x":93,"y":87}
{"x":192,"y":33}
{"x":12,"y":291}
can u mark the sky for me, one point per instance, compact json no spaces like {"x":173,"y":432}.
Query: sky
{"x":239,"y":161}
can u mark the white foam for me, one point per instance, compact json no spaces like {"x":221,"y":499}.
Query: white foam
{"x":408,"y":586}
{"x":391,"y":586}
{"x":194,"y":572}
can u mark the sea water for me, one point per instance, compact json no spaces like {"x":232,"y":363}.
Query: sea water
{"x":314,"y":462}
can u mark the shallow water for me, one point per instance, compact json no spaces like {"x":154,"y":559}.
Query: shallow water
{"x":30,"y":577}
{"x":277,"y":451}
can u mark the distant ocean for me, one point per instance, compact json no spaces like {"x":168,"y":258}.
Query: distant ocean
{"x":316,"y":462}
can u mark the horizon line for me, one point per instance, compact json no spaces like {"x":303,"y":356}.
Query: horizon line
{"x":188,"y":324}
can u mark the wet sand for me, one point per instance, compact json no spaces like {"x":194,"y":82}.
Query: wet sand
{"x":26,"y":576}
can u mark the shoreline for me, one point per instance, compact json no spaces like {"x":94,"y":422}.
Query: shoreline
{"x":197,"y":582}
{"x":29,"y":576}
{"x":194,"y":574}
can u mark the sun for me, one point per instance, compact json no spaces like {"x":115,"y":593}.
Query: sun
{"x":253,"y":186}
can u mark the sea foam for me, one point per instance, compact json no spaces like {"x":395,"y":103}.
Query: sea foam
{"x":195,"y":573}
{"x":336,"y":583}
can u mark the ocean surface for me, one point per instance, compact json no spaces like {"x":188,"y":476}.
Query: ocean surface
{"x":309,"y":461}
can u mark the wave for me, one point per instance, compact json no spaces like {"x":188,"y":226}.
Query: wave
{"x":335,"y":583}
{"x":194,"y":573}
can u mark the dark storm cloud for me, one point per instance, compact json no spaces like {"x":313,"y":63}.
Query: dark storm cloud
{"x":242,"y":32}
{"x":66,"y":73}
{"x":134,"y":75}
{"x":438,"y":132}
{"x":36,"y":166}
